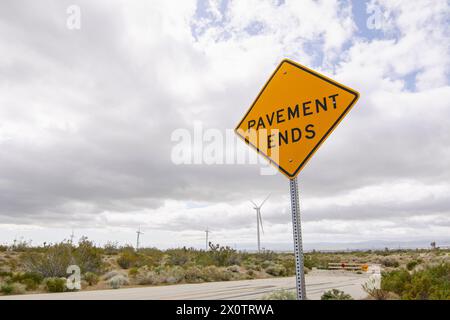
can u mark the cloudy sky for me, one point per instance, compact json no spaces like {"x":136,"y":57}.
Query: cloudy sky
{"x":87,"y":117}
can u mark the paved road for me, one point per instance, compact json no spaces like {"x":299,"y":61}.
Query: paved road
{"x":316,"y":283}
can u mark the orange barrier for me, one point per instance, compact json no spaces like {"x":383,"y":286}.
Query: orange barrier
{"x":347,"y":266}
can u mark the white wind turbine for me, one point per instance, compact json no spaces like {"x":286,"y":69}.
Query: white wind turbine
{"x":207,"y":231}
{"x":259,"y":220}
{"x":138,"y":233}
{"x":72,"y":236}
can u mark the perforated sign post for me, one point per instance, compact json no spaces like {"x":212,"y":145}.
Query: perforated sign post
{"x":296,"y":110}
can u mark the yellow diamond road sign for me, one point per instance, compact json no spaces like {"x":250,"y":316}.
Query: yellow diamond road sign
{"x":294,"y":113}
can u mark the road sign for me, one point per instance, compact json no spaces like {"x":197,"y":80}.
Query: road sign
{"x":294,"y":113}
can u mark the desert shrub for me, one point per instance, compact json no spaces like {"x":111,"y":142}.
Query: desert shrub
{"x":251,"y":273}
{"x":30,"y":280}
{"x":55,"y":284}
{"x":213,"y":273}
{"x":12,"y":288}
{"x":153,"y":257}
{"x":148,"y":278}
{"x":289,"y":264}
{"x":19,"y":288}
{"x":13,"y":264}
{"x":267,"y":263}
{"x":361,"y":254}
{"x":309,"y":261}
{"x":128,"y":259}
{"x":4,"y":274}
{"x":111,"y":248}
{"x":395,"y":281}
{"x":20,"y":246}
{"x":266,"y":255}
{"x":372,"y":288}
{"x":133,"y":272}
{"x":224,"y":256}
{"x":317,"y":260}
{"x":193,"y":275}
{"x":6,"y":288}
{"x":91,"y":278}
{"x":431,"y":283}
{"x":87,"y":256}
{"x":233,"y":268}
{"x":255,"y":267}
{"x":335,"y":294}
{"x":56,"y":258}
{"x":111,"y":274}
{"x":251,"y":265}
{"x":118,"y":281}
{"x":204,"y":258}
{"x":127,"y":247}
{"x":390,"y":262}
{"x":411,"y":265}
{"x":276,"y":270}
{"x":281,"y":295}
{"x":3,"y":248}
{"x":53,"y":263}
{"x":170,"y":275}
{"x":437,"y":284}
{"x":173,"y":275}
{"x":178,"y":257}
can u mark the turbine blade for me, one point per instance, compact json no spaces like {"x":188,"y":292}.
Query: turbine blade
{"x":253,"y":203}
{"x":265,"y":200}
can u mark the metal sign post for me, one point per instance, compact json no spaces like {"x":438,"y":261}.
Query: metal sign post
{"x":298,"y":246}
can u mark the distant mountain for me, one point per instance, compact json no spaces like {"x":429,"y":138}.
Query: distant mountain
{"x":364,"y":245}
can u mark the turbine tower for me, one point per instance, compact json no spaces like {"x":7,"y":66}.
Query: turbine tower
{"x":207,"y":234}
{"x":259,"y":220}
{"x":138,"y":235}
{"x":72,"y":235}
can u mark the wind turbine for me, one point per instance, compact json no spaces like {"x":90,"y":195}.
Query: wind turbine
{"x":72,"y":235}
{"x":259,"y":220}
{"x":138,"y":235}
{"x":207,"y":233}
